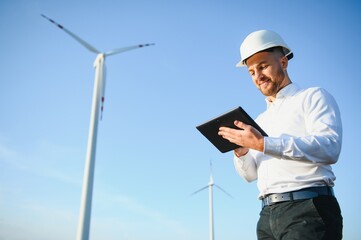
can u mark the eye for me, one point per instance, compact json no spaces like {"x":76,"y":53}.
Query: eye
{"x":263,"y":67}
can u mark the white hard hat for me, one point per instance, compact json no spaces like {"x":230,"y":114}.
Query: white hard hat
{"x":259,"y":41}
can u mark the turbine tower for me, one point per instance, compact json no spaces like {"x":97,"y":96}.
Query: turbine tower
{"x":98,"y":99}
{"x":210,"y":186}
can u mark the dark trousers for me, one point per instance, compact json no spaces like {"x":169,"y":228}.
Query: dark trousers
{"x":313,"y":219}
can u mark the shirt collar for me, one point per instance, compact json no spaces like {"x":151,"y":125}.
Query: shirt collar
{"x":289,"y":90}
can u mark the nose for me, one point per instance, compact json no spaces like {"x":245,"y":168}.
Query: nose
{"x":258,"y":75}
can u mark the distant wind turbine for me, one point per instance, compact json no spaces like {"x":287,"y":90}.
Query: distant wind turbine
{"x":210,"y":186}
{"x":98,"y":98}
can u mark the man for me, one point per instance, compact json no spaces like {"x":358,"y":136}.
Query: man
{"x":292,"y":164}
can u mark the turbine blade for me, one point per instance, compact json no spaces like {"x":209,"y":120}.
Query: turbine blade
{"x":199,"y":190}
{"x":223,"y":190}
{"x":78,"y":39}
{"x":99,"y":65}
{"x":124,"y":49}
{"x":103,"y":91}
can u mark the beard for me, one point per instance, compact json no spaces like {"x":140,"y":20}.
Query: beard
{"x":273,"y":85}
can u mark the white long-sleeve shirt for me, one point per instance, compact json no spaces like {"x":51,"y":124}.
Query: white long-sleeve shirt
{"x":305,"y":135}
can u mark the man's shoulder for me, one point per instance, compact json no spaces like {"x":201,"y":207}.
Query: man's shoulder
{"x":312,"y":91}
{"x":317,"y":91}
{"x":317,"y":96}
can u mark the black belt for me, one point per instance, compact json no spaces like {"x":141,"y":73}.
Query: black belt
{"x":302,"y":194}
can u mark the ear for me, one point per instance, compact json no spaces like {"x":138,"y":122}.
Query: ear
{"x":284,"y":62}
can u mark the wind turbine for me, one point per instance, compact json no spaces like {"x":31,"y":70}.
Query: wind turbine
{"x":98,"y":98}
{"x":210,"y":186}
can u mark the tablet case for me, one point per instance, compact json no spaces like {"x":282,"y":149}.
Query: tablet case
{"x":210,"y":129}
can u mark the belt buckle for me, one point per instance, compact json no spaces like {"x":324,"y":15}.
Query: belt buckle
{"x":267,"y":201}
{"x":264,"y":202}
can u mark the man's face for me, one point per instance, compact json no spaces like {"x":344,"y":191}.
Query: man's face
{"x":268,"y":72}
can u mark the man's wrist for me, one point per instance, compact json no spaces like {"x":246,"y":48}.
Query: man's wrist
{"x":239,"y":152}
{"x":261,"y":145}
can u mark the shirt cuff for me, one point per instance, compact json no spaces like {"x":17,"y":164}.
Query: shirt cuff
{"x":273,"y":146}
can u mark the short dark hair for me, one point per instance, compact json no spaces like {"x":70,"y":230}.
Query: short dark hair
{"x":275,"y":49}
{"x":279,"y":49}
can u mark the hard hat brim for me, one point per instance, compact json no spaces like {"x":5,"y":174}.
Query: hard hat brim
{"x":242,"y":63}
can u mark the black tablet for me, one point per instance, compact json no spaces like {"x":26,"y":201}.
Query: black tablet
{"x":210,"y":129}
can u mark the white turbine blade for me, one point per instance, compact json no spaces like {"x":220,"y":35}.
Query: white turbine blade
{"x":223,"y":190}
{"x":103,"y":90}
{"x":81,"y":41}
{"x":199,"y":190}
{"x":124,"y":49}
{"x":99,"y":65}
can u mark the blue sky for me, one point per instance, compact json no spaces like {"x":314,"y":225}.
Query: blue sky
{"x":150,"y":157}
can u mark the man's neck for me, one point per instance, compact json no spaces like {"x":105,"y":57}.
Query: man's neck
{"x":273,"y":98}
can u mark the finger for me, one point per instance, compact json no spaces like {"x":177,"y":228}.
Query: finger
{"x":226,"y":131}
{"x":228,"y":136}
{"x":240,"y":124}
